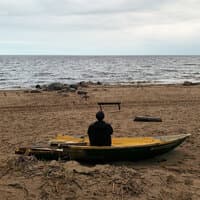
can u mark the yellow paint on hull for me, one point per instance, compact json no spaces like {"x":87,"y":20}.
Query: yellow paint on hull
{"x":116,"y":141}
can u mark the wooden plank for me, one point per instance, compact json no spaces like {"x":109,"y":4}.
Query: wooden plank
{"x":44,"y":153}
{"x":109,"y":103}
{"x":147,"y":119}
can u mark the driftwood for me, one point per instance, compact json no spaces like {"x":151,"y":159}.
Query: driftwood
{"x":147,"y":119}
{"x":109,"y":103}
{"x":44,"y":153}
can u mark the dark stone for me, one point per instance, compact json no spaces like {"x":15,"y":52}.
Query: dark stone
{"x":65,"y":85}
{"x":188,"y":83}
{"x":99,"y":83}
{"x":74,"y":86}
{"x":26,"y":91}
{"x":38,"y":87}
{"x":72,"y":90}
{"x":83,"y":84}
{"x":35,"y":91}
{"x":64,"y":90}
{"x":55,"y":86}
{"x":44,"y":87}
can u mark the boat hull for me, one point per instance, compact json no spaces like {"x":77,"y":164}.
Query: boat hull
{"x":133,"y":153}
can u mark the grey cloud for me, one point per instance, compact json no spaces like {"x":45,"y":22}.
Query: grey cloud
{"x":109,"y":24}
{"x":76,"y":7}
{"x":119,"y":21}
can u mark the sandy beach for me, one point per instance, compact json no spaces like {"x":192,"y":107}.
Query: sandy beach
{"x":29,"y":118}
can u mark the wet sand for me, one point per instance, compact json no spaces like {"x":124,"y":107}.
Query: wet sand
{"x":35,"y":118}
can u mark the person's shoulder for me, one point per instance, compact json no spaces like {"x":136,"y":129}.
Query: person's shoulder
{"x":93,"y":124}
{"x":108,"y":124}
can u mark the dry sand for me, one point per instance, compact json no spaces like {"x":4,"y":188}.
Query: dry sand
{"x":35,"y":118}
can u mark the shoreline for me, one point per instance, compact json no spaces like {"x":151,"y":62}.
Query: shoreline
{"x":120,"y":84}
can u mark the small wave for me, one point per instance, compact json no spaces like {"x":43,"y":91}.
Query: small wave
{"x":67,"y":78}
{"x":146,"y":66}
{"x":102,"y":73}
{"x":190,"y":64}
{"x":40,"y":82}
{"x":187,"y":76}
{"x":42,"y":74}
{"x":88,"y":76}
{"x":170,"y":70}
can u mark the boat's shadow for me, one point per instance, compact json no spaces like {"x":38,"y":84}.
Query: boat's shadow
{"x":171,"y":158}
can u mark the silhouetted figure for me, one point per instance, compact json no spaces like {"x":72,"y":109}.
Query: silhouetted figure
{"x":100,"y":132}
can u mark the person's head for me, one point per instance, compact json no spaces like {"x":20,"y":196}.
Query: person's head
{"x":100,"y":116}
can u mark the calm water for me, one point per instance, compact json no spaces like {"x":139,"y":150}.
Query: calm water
{"x":27,"y":71}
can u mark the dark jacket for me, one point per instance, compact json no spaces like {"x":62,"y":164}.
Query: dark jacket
{"x":100,"y":133}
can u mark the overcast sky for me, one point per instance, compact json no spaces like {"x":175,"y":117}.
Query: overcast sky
{"x":100,"y":27}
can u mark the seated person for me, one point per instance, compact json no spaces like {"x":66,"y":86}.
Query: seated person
{"x":100,"y":132}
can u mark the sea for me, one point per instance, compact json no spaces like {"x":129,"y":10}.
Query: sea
{"x":18,"y":72}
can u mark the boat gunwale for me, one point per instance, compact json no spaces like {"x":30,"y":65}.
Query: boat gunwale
{"x":164,"y":141}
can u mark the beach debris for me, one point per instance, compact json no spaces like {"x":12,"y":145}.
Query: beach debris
{"x":83,"y":84}
{"x":72,"y":89}
{"x":32,"y":91}
{"x":22,"y":162}
{"x":147,"y":119}
{"x":55,"y":86}
{"x":109,"y":103}
{"x":81,"y":92}
{"x":26,"y":91}
{"x":35,"y":91}
{"x":99,"y":83}
{"x":87,"y":83}
{"x":86,"y":97}
{"x":74,"y":86}
{"x":47,"y":153}
{"x":188,"y":83}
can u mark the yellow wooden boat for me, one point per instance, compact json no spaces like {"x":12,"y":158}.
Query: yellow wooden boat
{"x":123,"y":148}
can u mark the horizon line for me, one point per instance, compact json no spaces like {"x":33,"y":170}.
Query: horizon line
{"x":100,"y":55}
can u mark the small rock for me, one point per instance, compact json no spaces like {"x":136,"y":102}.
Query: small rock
{"x":83,"y":84}
{"x":81,"y":92}
{"x":99,"y":83}
{"x":72,"y":90}
{"x":44,"y":87}
{"x":38,"y":87}
{"x":65,"y":95}
{"x":55,"y":86}
{"x":86,"y":97}
{"x":26,"y":91}
{"x":35,"y":91}
{"x":64,"y":90}
{"x":74,"y":86}
{"x":188,"y":83}
{"x":54,"y":163}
